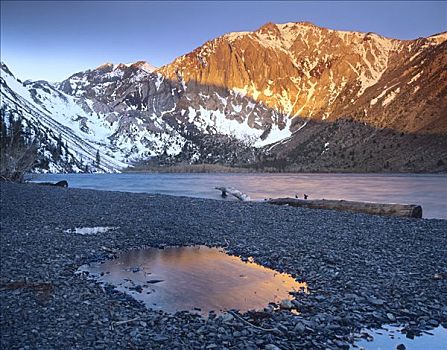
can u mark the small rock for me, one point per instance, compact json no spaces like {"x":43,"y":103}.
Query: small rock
{"x":400,"y":347}
{"x":377,"y":315}
{"x":391,"y":317}
{"x":283,"y":328}
{"x":154,"y":281}
{"x":296,"y":303}
{"x":341,"y":344}
{"x":227,"y":317}
{"x":137,"y":288}
{"x":286,"y":304}
{"x":269,"y":309}
{"x":271,"y":347}
{"x":160,"y":338}
{"x":433,"y":323}
{"x":375,"y":301}
{"x":299,"y":328}
{"x":259,"y":341}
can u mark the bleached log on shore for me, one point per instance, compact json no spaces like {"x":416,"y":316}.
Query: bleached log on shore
{"x":401,"y":210}
{"x":230,"y":190}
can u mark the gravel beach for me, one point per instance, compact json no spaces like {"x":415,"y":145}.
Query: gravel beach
{"x":362,"y":271}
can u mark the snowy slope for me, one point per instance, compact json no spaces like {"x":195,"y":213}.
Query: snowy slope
{"x":18,"y":101}
{"x":120,"y":138}
{"x":186,"y":108}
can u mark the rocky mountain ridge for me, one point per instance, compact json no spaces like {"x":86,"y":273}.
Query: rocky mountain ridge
{"x":272,"y":99}
{"x":301,"y":70}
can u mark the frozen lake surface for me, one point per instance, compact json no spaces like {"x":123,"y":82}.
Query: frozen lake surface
{"x":427,"y":190}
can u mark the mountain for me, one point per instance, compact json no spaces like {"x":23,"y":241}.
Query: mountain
{"x":358,"y":101}
{"x":42,"y":112}
{"x":288,"y":96}
{"x":190,"y":109}
{"x":58,"y":118}
{"x":301,"y":70}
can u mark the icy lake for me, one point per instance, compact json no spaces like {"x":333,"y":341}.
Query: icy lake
{"x":427,"y":190}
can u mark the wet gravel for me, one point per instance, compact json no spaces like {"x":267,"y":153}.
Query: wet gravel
{"x":362,"y":271}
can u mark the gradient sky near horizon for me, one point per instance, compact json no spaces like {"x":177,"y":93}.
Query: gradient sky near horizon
{"x":53,"y":39}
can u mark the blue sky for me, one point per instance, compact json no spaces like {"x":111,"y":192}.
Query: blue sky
{"x":53,"y":39}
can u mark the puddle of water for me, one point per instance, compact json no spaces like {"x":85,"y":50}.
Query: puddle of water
{"x":89,"y":230}
{"x":389,"y":337}
{"x":197,"y":279}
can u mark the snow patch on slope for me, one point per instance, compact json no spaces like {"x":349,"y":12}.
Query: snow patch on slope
{"x":390,"y":96}
{"x":212,"y":121}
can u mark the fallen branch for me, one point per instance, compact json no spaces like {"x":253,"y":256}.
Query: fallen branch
{"x":109,"y":250}
{"x":62,"y":183}
{"x":234,"y":192}
{"x":39,"y":286}
{"x":251,"y":324}
{"x":117,"y":323}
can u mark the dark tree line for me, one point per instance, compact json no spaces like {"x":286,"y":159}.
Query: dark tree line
{"x":18,"y":147}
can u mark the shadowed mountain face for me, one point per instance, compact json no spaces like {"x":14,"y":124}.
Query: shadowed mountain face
{"x":292,"y":96}
{"x":346,"y":145}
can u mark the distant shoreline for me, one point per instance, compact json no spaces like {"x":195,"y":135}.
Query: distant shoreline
{"x":216,"y":168}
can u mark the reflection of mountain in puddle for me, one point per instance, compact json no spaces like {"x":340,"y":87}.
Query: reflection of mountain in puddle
{"x":194,"y":278}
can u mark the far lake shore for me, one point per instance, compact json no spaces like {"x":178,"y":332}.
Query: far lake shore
{"x":218,"y":168}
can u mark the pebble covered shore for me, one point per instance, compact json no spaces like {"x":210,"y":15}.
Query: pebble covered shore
{"x":362,"y":271}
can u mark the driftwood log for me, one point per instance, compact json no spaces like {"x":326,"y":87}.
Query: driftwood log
{"x":62,"y":183}
{"x":402,"y":210}
{"x":234,"y":192}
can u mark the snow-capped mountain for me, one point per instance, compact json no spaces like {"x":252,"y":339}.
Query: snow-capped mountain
{"x":119,"y":138}
{"x":188,"y":108}
{"x":301,"y":70}
{"x":44,"y":110}
{"x":294,"y":96}
{"x":358,"y":101}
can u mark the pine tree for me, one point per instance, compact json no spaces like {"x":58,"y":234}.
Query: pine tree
{"x":19,"y":153}
{"x":98,"y":159}
{"x":59,"y":145}
{"x":3,"y":136}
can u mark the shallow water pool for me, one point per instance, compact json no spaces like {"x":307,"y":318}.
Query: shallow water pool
{"x":390,"y":337}
{"x":198,"y":279}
